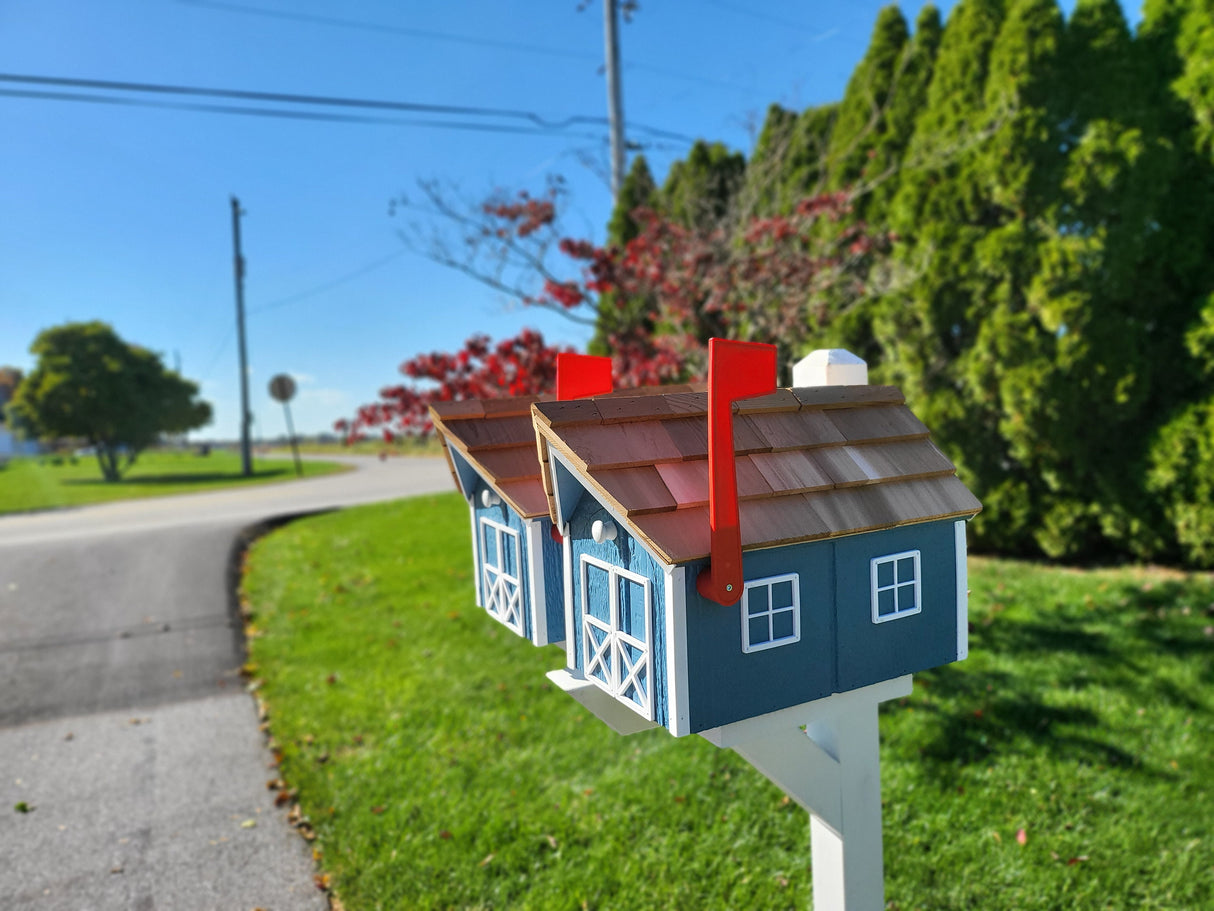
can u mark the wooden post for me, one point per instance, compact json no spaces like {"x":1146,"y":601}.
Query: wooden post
{"x":832,"y":769}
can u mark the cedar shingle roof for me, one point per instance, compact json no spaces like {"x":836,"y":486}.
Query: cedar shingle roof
{"x":812,"y":463}
{"x":497,"y":437}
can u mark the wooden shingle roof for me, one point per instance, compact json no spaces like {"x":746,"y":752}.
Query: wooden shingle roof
{"x":497,"y":438}
{"x":812,"y":463}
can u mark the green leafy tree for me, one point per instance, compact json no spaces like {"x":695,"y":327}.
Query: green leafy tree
{"x":89,"y":383}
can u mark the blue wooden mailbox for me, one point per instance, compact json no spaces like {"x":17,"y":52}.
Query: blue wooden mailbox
{"x":759,"y":566}
{"x":853,"y":537}
{"x":490,"y":447}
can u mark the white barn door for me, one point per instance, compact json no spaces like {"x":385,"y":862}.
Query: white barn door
{"x":501,"y":574}
{"x":617,"y":633}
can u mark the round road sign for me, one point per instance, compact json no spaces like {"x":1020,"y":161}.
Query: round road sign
{"x":282,"y":388}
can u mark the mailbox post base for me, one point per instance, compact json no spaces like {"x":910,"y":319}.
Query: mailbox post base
{"x":826,"y":756}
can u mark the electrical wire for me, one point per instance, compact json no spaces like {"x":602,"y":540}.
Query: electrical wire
{"x":329,"y":285}
{"x":539,"y":122}
{"x":391,"y":29}
{"x":293,"y":115}
{"x":383,"y":28}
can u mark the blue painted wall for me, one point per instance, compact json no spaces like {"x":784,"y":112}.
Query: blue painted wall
{"x":628,"y":554}
{"x":870,"y":653}
{"x":840,"y":647}
{"x":725,"y":685}
{"x":554,"y":582}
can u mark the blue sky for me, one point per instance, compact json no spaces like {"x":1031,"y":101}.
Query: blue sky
{"x":122,"y":213}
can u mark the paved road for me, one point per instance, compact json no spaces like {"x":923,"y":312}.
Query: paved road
{"x":123,"y":721}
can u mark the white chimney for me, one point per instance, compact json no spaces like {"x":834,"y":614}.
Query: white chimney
{"x":830,"y":367}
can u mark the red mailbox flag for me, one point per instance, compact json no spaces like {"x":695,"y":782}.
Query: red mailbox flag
{"x":580,"y":375}
{"x":736,"y":370}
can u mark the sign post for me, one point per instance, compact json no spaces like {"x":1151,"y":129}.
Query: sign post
{"x":282,"y":389}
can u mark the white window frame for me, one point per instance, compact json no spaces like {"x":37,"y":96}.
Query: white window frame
{"x":503,"y":592}
{"x":612,"y":646}
{"x":770,"y":582}
{"x":915,"y":585}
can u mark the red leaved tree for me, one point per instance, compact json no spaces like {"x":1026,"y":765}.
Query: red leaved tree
{"x":523,"y":365}
{"x":779,"y":279}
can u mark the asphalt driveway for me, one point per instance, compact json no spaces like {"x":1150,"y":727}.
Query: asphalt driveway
{"x":132,"y":771}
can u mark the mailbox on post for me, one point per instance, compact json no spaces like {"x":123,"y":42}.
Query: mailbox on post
{"x":761,"y":567}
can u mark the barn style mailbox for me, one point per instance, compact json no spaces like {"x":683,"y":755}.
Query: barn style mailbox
{"x":760,"y":566}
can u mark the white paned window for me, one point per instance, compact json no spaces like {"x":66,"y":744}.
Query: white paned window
{"x":896,"y":586}
{"x":771,"y":612}
{"x":617,"y":630}
{"x":501,"y":574}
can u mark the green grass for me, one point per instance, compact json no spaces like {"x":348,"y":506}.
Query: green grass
{"x":47,"y":483}
{"x":441,"y":770}
{"x":373,"y":446}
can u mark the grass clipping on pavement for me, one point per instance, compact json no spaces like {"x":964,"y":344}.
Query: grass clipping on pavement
{"x":1066,"y":764}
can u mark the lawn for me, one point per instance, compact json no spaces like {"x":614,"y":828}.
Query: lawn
{"x":372,"y":446}
{"x":46,"y":482}
{"x":1066,"y":764}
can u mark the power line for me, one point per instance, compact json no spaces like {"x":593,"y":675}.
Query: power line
{"x":540,"y":123}
{"x":219,"y":350}
{"x":333,"y":283}
{"x":391,"y":29}
{"x":290,"y":115}
{"x":384,"y":28}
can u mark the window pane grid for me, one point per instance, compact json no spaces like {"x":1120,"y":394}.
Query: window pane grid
{"x":896,"y":586}
{"x":771,"y":612}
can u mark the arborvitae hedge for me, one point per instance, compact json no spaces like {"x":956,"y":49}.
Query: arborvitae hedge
{"x":1049,"y":308}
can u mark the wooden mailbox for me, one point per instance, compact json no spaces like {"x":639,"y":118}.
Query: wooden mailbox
{"x":852,"y":528}
{"x":759,"y":567}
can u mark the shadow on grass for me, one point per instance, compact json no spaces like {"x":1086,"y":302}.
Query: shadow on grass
{"x":181,"y":480}
{"x":989,"y":713}
{"x":1125,"y":649}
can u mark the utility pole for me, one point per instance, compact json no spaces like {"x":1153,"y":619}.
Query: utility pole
{"x":246,"y":460}
{"x":615,"y":103}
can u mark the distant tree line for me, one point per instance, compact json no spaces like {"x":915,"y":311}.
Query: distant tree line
{"x":1047,"y":302}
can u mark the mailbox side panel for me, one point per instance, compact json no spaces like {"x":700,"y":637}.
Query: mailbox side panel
{"x":884,"y":633}
{"x":728,"y":683}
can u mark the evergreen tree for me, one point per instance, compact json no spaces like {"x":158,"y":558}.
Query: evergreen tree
{"x":863,"y":128}
{"x":907,"y":99}
{"x":925,"y":329}
{"x":768,"y":162}
{"x":618,"y":315}
{"x":1195,"y":84}
{"x":1175,"y":39}
{"x":700,"y":189}
{"x":788,"y":161}
{"x":876,"y":158}
{"x":638,"y":190}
